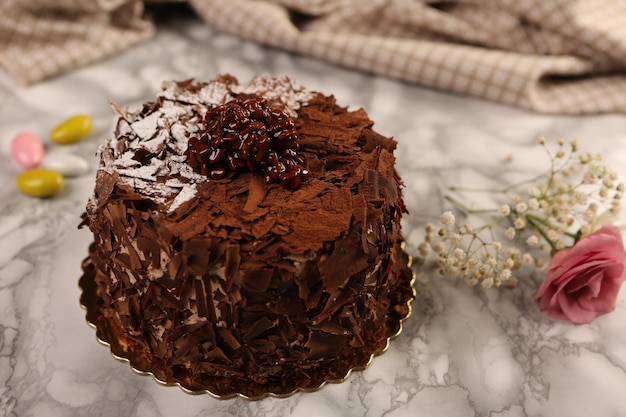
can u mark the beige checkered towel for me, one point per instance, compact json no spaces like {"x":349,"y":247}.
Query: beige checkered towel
{"x":552,"y":56}
{"x":41,"y":38}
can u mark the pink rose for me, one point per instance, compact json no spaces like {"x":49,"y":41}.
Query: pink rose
{"x":583,"y":281}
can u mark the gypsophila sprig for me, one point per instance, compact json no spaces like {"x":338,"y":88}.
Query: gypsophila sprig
{"x":535,"y":219}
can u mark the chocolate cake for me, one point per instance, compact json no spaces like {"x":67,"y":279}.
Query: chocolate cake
{"x":247,"y":237}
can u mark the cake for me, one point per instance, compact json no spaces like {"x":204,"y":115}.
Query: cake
{"x":247,"y":237}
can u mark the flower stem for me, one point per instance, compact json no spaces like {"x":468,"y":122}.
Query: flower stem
{"x":458,"y":204}
{"x":535,"y":223}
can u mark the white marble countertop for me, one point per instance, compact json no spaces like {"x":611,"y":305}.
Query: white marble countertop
{"x":462,"y":352}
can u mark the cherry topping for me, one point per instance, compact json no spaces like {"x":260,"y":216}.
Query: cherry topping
{"x":248,"y":135}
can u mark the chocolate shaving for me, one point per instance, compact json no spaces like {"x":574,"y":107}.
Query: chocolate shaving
{"x":256,"y":193}
{"x":231,"y":265}
{"x":373,"y":140}
{"x":257,"y":328}
{"x":325,"y":345}
{"x":257,"y":280}
{"x":347,"y":260}
{"x":198,"y":255}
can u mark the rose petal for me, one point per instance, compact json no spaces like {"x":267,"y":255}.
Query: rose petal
{"x":590,"y":280}
{"x":605,"y":301}
{"x":573,"y":311}
{"x":606,"y":239}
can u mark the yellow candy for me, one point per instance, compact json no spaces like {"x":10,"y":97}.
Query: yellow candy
{"x":40,"y":182}
{"x":72,"y":130}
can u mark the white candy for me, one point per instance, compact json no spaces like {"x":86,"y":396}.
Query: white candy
{"x":66,"y":163}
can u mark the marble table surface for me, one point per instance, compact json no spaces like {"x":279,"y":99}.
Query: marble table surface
{"x":463,"y":352}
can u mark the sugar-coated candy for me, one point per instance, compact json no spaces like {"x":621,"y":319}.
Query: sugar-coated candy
{"x":27,"y":149}
{"x":67,"y":164}
{"x":72,"y":129}
{"x":40,"y":182}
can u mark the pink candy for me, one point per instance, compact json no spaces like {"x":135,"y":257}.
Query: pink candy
{"x":27,"y":150}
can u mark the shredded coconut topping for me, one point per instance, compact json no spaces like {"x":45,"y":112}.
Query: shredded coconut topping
{"x":148,"y":150}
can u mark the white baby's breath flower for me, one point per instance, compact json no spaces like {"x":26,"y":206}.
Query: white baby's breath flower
{"x":589,"y":215}
{"x":471,"y":282}
{"x":589,"y":178}
{"x":534,"y":192}
{"x":487,"y":283}
{"x":581,"y":198}
{"x":439,"y":247}
{"x":527,"y":259}
{"x":424,"y":249}
{"x":519,"y":223}
{"x":505,"y":274}
{"x":521,"y":207}
{"x":505,"y":210}
{"x":598,"y":170}
{"x":459,"y":253}
{"x":513,"y":252}
{"x":510,"y":233}
{"x":533,"y":204}
{"x":608,"y":181}
{"x":553,"y":234}
{"x":585,"y":158}
{"x":604,"y":193}
{"x":567,"y":172}
{"x":447,"y":218}
{"x":532,"y":240}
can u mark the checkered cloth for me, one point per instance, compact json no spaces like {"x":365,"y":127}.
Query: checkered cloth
{"x":42,"y":38}
{"x":552,"y":56}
